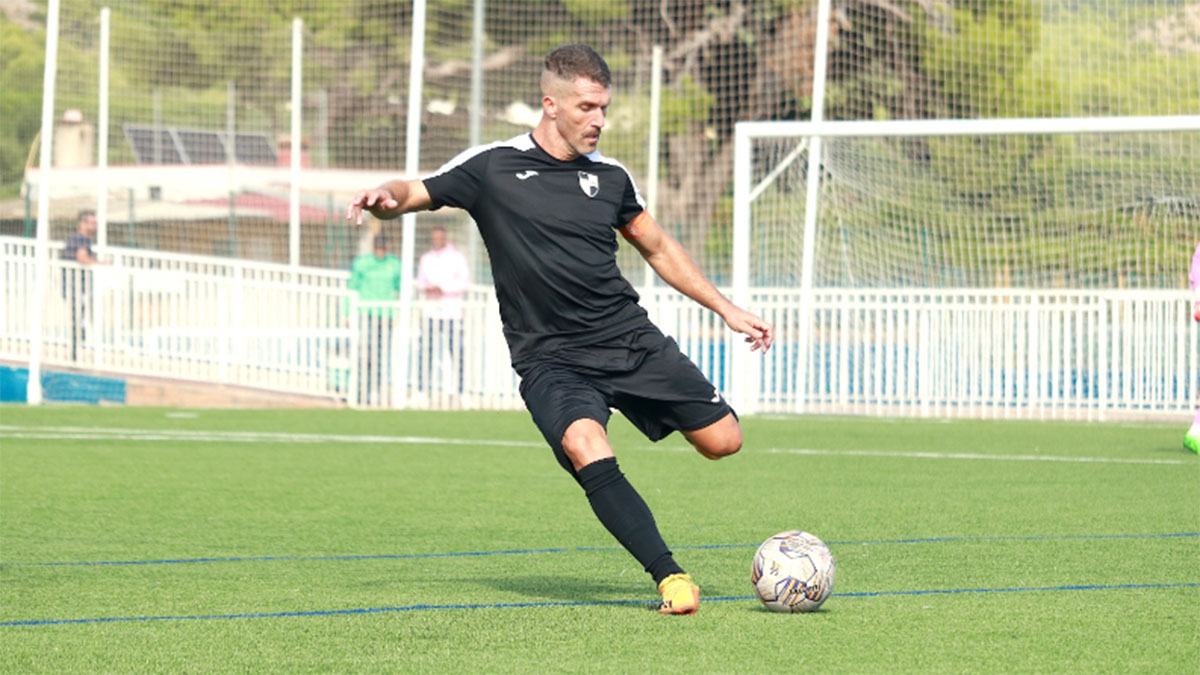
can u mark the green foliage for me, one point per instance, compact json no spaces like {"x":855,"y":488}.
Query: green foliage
{"x":598,"y":12}
{"x":683,"y":104}
{"x":866,"y":95}
{"x":1129,"y":71}
{"x":22,"y":59}
{"x":981,"y":66}
{"x":976,"y":60}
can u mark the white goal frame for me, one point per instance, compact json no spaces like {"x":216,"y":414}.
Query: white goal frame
{"x":809,"y":135}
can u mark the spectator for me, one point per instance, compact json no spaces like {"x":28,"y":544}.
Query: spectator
{"x":376,"y":278}
{"x":442,"y":279}
{"x":77,"y":280}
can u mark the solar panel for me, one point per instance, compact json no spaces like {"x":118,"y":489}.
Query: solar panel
{"x":255,"y":149}
{"x":142,"y":140}
{"x":197,"y":146}
{"x":202,"y":147}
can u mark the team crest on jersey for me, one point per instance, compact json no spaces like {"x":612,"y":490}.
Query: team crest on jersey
{"x":589,"y":183}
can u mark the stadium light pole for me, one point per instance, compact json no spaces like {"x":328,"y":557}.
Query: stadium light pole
{"x":33,"y":389}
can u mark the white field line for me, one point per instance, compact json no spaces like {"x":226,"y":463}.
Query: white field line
{"x":114,"y":434}
{"x":974,"y":456}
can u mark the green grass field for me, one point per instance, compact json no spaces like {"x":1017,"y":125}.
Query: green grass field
{"x":164,"y":540}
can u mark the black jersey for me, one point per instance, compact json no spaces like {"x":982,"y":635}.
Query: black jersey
{"x":550,"y":229}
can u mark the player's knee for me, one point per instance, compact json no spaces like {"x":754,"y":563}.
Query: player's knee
{"x":585,"y":442}
{"x":723,"y":446}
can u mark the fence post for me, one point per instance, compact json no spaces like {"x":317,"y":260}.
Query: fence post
{"x":412,"y":167}
{"x":33,"y":391}
{"x":102,"y":135}
{"x":739,"y":358}
{"x":297,"y":148}
{"x":813,"y":185}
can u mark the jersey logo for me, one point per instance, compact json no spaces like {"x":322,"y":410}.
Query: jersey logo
{"x":526,"y":174}
{"x":589,"y":183}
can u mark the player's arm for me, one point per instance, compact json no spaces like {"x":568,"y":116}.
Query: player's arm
{"x":676,"y":267}
{"x":390,"y":200}
{"x":84,"y":258}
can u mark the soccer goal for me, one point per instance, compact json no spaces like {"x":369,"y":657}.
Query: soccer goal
{"x":981,"y":268}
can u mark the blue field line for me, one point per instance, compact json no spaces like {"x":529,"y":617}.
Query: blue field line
{"x":585,"y":603}
{"x":587,"y":549}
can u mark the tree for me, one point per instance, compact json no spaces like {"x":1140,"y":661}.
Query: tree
{"x":22,"y":59}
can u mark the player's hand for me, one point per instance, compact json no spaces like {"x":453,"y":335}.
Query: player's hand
{"x":759,"y":334}
{"x":376,"y":201}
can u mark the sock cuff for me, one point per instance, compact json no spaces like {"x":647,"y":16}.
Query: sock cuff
{"x":599,"y":474}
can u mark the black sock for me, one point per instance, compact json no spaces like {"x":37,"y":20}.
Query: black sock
{"x":623,"y":512}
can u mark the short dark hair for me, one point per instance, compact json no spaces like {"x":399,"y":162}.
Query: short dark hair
{"x":577,"y":59}
{"x":85,"y":213}
{"x":381,"y":241}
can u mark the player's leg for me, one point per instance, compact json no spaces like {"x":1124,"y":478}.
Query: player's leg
{"x":624,"y":513}
{"x":571,"y":415}
{"x":585,"y":442}
{"x":1191,"y":440}
{"x":719,"y":439}
{"x":667,"y":392}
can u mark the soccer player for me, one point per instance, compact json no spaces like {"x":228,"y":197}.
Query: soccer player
{"x":548,"y":206}
{"x":1191,"y":440}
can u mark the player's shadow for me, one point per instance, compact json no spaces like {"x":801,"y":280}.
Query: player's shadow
{"x":567,"y":588}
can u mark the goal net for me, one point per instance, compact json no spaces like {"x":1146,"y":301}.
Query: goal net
{"x":998,"y":204}
{"x":1019,"y":267}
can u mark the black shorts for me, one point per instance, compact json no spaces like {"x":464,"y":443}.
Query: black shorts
{"x":642,"y":373}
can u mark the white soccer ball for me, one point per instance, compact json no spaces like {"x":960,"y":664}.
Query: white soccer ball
{"x":792,"y":572}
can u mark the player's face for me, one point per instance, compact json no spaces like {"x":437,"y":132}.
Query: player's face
{"x":580,"y":113}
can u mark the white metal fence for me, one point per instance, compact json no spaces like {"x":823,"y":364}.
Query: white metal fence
{"x":945,"y":353}
{"x":986,"y":353}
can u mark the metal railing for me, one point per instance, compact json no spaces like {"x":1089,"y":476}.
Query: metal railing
{"x":946,"y":353}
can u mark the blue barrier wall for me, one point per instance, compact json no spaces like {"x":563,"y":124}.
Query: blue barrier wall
{"x":61,"y":387}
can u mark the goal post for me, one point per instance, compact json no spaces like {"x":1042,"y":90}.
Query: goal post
{"x":1005,"y":226}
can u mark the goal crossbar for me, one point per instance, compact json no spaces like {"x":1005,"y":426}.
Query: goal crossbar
{"x":967,"y":127}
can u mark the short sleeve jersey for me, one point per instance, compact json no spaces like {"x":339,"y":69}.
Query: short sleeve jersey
{"x":75,"y":242}
{"x":550,"y":229}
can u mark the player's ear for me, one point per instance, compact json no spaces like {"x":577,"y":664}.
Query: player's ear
{"x":549,"y":106}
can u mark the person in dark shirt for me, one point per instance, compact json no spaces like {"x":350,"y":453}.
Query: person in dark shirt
{"x":78,"y":246}
{"x":548,"y":206}
{"x":76,"y":281}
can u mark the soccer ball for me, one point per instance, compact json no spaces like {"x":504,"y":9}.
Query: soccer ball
{"x":792,"y":572}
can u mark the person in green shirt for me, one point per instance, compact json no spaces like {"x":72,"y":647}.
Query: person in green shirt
{"x":376,"y":278}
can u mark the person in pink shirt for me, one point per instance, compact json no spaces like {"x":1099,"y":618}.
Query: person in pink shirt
{"x":443,"y":277}
{"x":1191,"y":440}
